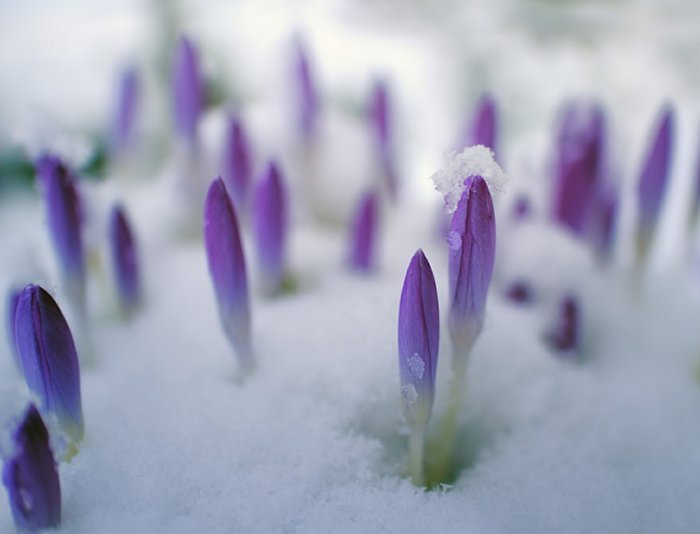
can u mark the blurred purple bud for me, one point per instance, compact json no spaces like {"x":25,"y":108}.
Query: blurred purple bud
{"x":307,"y":93}
{"x":419,"y":340}
{"x":125,"y":263}
{"x":364,"y":233}
{"x":472,"y":250}
{"x":564,"y":337}
{"x":187,"y":90}
{"x":484,"y":126}
{"x":30,"y":476}
{"x":237,"y":164}
{"x":522,"y":208}
{"x":380,"y":119}
{"x":227,"y":268}
{"x":125,"y":111}
{"x":519,"y":292}
{"x":49,"y":359}
{"x":10,"y":314}
{"x":270,"y":227}
{"x":604,"y":222}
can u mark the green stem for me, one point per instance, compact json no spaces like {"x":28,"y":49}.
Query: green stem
{"x":416,"y":445}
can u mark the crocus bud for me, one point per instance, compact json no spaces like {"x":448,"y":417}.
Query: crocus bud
{"x":419,"y":340}
{"x":10,"y":314}
{"x":306,"y":90}
{"x":227,"y":268}
{"x":604,"y":222}
{"x":564,"y":337}
{"x":49,"y":359}
{"x":653,"y":182}
{"x":364,"y":233}
{"x":64,"y":224}
{"x":472,"y":249}
{"x":236,"y":165}
{"x":123,"y":121}
{"x":380,"y":119}
{"x":125,"y":264}
{"x":30,"y":476}
{"x":187,"y":91}
{"x":484,"y":126}
{"x":270,"y":227}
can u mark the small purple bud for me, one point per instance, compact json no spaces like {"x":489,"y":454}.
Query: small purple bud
{"x":307,"y":93}
{"x":270,"y":227}
{"x":522,"y":208}
{"x":564,"y":337}
{"x":222,"y":241}
{"x":187,"y":91}
{"x":49,"y":359}
{"x":380,"y":118}
{"x":472,"y":249}
{"x":64,"y":222}
{"x":30,"y":476}
{"x":519,"y":292}
{"x":364,"y":233}
{"x":125,"y":111}
{"x":236,"y":164}
{"x":125,"y":264}
{"x":11,"y":310}
{"x":604,"y":222}
{"x":654,"y":179}
{"x":419,"y":340}
{"x":484,"y":126}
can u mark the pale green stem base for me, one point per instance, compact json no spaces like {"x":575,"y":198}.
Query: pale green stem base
{"x":416,"y":446}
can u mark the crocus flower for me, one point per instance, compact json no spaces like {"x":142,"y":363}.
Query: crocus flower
{"x":564,"y":337}
{"x":483,"y":130}
{"x":10,"y":311}
{"x":227,"y":268}
{"x":653,"y":181}
{"x":380,"y":119}
{"x":49,"y":359}
{"x":187,"y":91}
{"x":125,"y":111}
{"x":306,"y":90}
{"x":64,"y":224}
{"x":472,"y":248}
{"x":270,"y":227}
{"x":30,"y":476}
{"x":364,"y":233}
{"x":236,"y":165}
{"x":125,"y":264}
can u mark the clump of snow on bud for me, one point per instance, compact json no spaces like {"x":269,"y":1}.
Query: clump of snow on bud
{"x":475,"y":160}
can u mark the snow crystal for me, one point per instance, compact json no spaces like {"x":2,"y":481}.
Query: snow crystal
{"x":416,"y":366}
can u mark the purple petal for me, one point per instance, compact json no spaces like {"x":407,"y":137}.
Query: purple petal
{"x":10,"y":314}
{"x":227,"y":268}
{"x":236,"y":164}
{"x":472,"y":250}
{"x":125,"y":112}
{"x":484,"y":126}
{"x":187,"y":90}
{"x":270,"y":226}
{"x":564,"y":337}
{"x":364,"y":233}
{"x":49,"y":359}
{"x":125,"y":264}
{"x":419,"y":339}
{"x":306,"y":89}
{"x":30,"y":476}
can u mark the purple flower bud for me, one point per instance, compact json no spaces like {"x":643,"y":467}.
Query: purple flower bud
{"x":653,"y":180}
{"x":270,"y":226}
{"x":64,"y":222}
{"x":125,"y":111}
{"x":484,"y":126}
{"x":307,"y":93}
{"x":522,"y":208}
{"x":12,"y":300}
{"x":564,"y":337}
{"x":30,"y":476}
{"x":419,"y":340}
{"x":519,"y":292}
{"x":472,"y":249}
{"x":125,"y":264}
{"x":49,"y":360}
{"x":236,"y":164}
{"x":227,"y":268}
{"x":380,"y":118}
{"x":604,"y":221}
{"x":364,"y":233}
{"x":187,"y":91}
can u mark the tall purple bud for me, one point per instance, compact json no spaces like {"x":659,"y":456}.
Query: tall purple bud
{"x":653,"y":182}
{"x":49,"y":359}
{"x":364,"y":233}
{"x":236,"y":164}
{"x":380,"y":119}
{"x":580,"y":146}
{"x":419,"y":340}
{"x":227,"y":268}
{"x":10,"y":314}
{"x":484,"y":126}
{"x":30,"y":476}
{"x":564,"y":336}
{"x":472,"y":249}
{"x":123,"y":122}
{"x":64,"y":224}
{"x":187,"y":91}
{"x":271,"y":228}
{"x":306,"y":90}
{"x":125,"y":262}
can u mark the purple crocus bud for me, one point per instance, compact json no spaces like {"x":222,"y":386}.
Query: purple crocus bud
{"x":519,"y":292}
{"x":604,"y":222}
{"x":236,"y":164}
{"x":64,"y":223}
{"x":49,"y":359}
{"x":483,"y":130}
{"x":187,"y":91}
{"x":564,"y":337}
{"x":12,"y":300}
{"x":125,"y":111}
{"x":653,"y":181}
{"x":270,"y":227}
{"x":380,"y":118}
{"x":364,"y":233}
{"x":307,"y":93}
{"x":419,"y":340}
{"x":227,"y":268}
{"x":125,"y":264}
{"x":472,"y":249}
{"x":30,"y":476}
